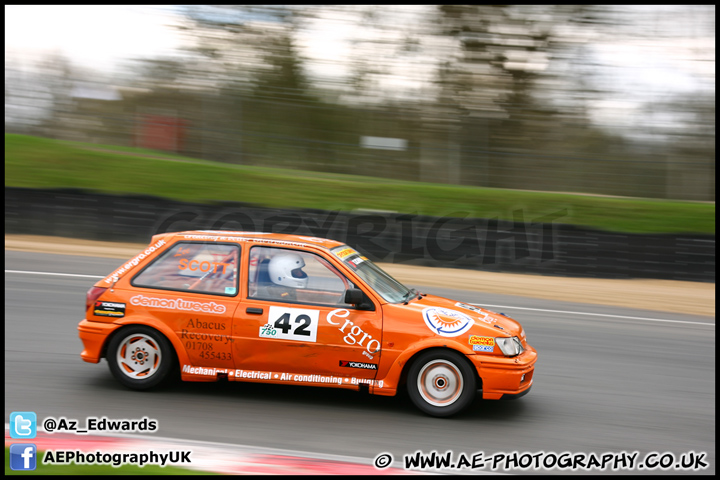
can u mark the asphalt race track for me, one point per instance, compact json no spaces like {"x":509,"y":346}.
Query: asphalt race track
{"x":608,"y":379}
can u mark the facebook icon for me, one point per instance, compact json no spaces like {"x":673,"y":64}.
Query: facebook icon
{"x":23,"y":456}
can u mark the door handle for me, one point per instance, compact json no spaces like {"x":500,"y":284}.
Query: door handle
{"x":254,"y":311}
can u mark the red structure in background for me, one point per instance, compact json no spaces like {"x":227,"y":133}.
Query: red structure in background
{"x":159,"y":132}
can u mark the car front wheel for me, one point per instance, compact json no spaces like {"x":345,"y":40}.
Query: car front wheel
{"x":441,"y":383}
{"x":140,"y":357}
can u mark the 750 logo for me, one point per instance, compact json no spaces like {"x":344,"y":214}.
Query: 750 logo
{"x":267,"y":330}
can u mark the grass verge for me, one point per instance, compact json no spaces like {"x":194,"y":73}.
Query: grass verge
{"x":33,"y":162}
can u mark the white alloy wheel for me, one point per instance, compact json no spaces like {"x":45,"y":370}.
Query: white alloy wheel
{"x":140,"y":357}
{"x":441,"y":382}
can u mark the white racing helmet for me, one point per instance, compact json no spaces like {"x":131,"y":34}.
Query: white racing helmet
{"x":286,"y":270}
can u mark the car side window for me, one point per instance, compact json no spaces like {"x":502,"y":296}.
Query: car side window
{"x":286,"y":275}
{"x":194,"y":267}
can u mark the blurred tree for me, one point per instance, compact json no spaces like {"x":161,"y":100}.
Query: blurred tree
{"x":245,"y":60}
{"x":265,"y":95}
{"x":494,"y":95}
{"x":491,"y":86}
{"x":240,"y":46}
{"x":282,"y":77}
{"x":33,"y":97}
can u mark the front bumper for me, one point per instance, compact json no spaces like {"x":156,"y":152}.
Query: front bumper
{"x":93,"y":336}
{"x":504,"y":377}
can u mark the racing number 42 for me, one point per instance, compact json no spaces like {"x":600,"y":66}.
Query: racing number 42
{"x":298,"y":324}
{"x":283,"y":324}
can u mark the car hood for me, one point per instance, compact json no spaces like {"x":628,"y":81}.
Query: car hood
{"x":451,"y":318}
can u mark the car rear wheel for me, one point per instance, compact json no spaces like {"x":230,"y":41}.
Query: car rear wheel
{"x":140,"y":357}
{"x":441,"y":383}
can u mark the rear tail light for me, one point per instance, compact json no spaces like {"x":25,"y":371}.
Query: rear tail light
{"x":92,"y":295}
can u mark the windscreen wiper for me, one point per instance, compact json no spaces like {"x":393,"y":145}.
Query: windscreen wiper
{"x":410,"y":295}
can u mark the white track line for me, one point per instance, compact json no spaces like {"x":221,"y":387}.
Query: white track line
{"x":477,"y":304}
{"x":60,"y":274}
{"x":596,"y":314}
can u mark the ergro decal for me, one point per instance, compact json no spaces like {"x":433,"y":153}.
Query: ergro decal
{"x":177,"y":304}
{"x":134,"y":262}
{"x":353,"y":333}
{"x":446,"y":322}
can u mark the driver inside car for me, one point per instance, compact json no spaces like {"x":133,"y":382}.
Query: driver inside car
{"x":286,"y":275}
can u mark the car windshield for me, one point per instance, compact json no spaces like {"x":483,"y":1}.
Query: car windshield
{"x":386,"y":286}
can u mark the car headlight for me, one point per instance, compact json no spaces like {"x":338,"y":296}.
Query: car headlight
{"x":510,"y":346}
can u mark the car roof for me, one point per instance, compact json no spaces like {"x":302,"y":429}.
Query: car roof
{"x":254,"y":237}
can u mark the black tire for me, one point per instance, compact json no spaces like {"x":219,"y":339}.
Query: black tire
{"x":140,"y":357}
{"x":441,"y":383}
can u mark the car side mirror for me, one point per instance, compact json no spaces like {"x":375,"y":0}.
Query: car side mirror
{"x":356,"y":297}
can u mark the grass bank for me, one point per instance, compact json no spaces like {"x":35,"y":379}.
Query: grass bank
{"x":33,"y":162}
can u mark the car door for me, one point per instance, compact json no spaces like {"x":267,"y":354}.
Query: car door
{"x":295,"y":325}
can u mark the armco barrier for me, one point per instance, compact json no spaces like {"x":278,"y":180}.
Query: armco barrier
{"x":540,"y":246}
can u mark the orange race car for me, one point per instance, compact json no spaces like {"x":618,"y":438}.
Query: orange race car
{"x":290,"y":309}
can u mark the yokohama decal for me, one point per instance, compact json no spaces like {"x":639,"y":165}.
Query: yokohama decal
{"x":364,"y":366}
